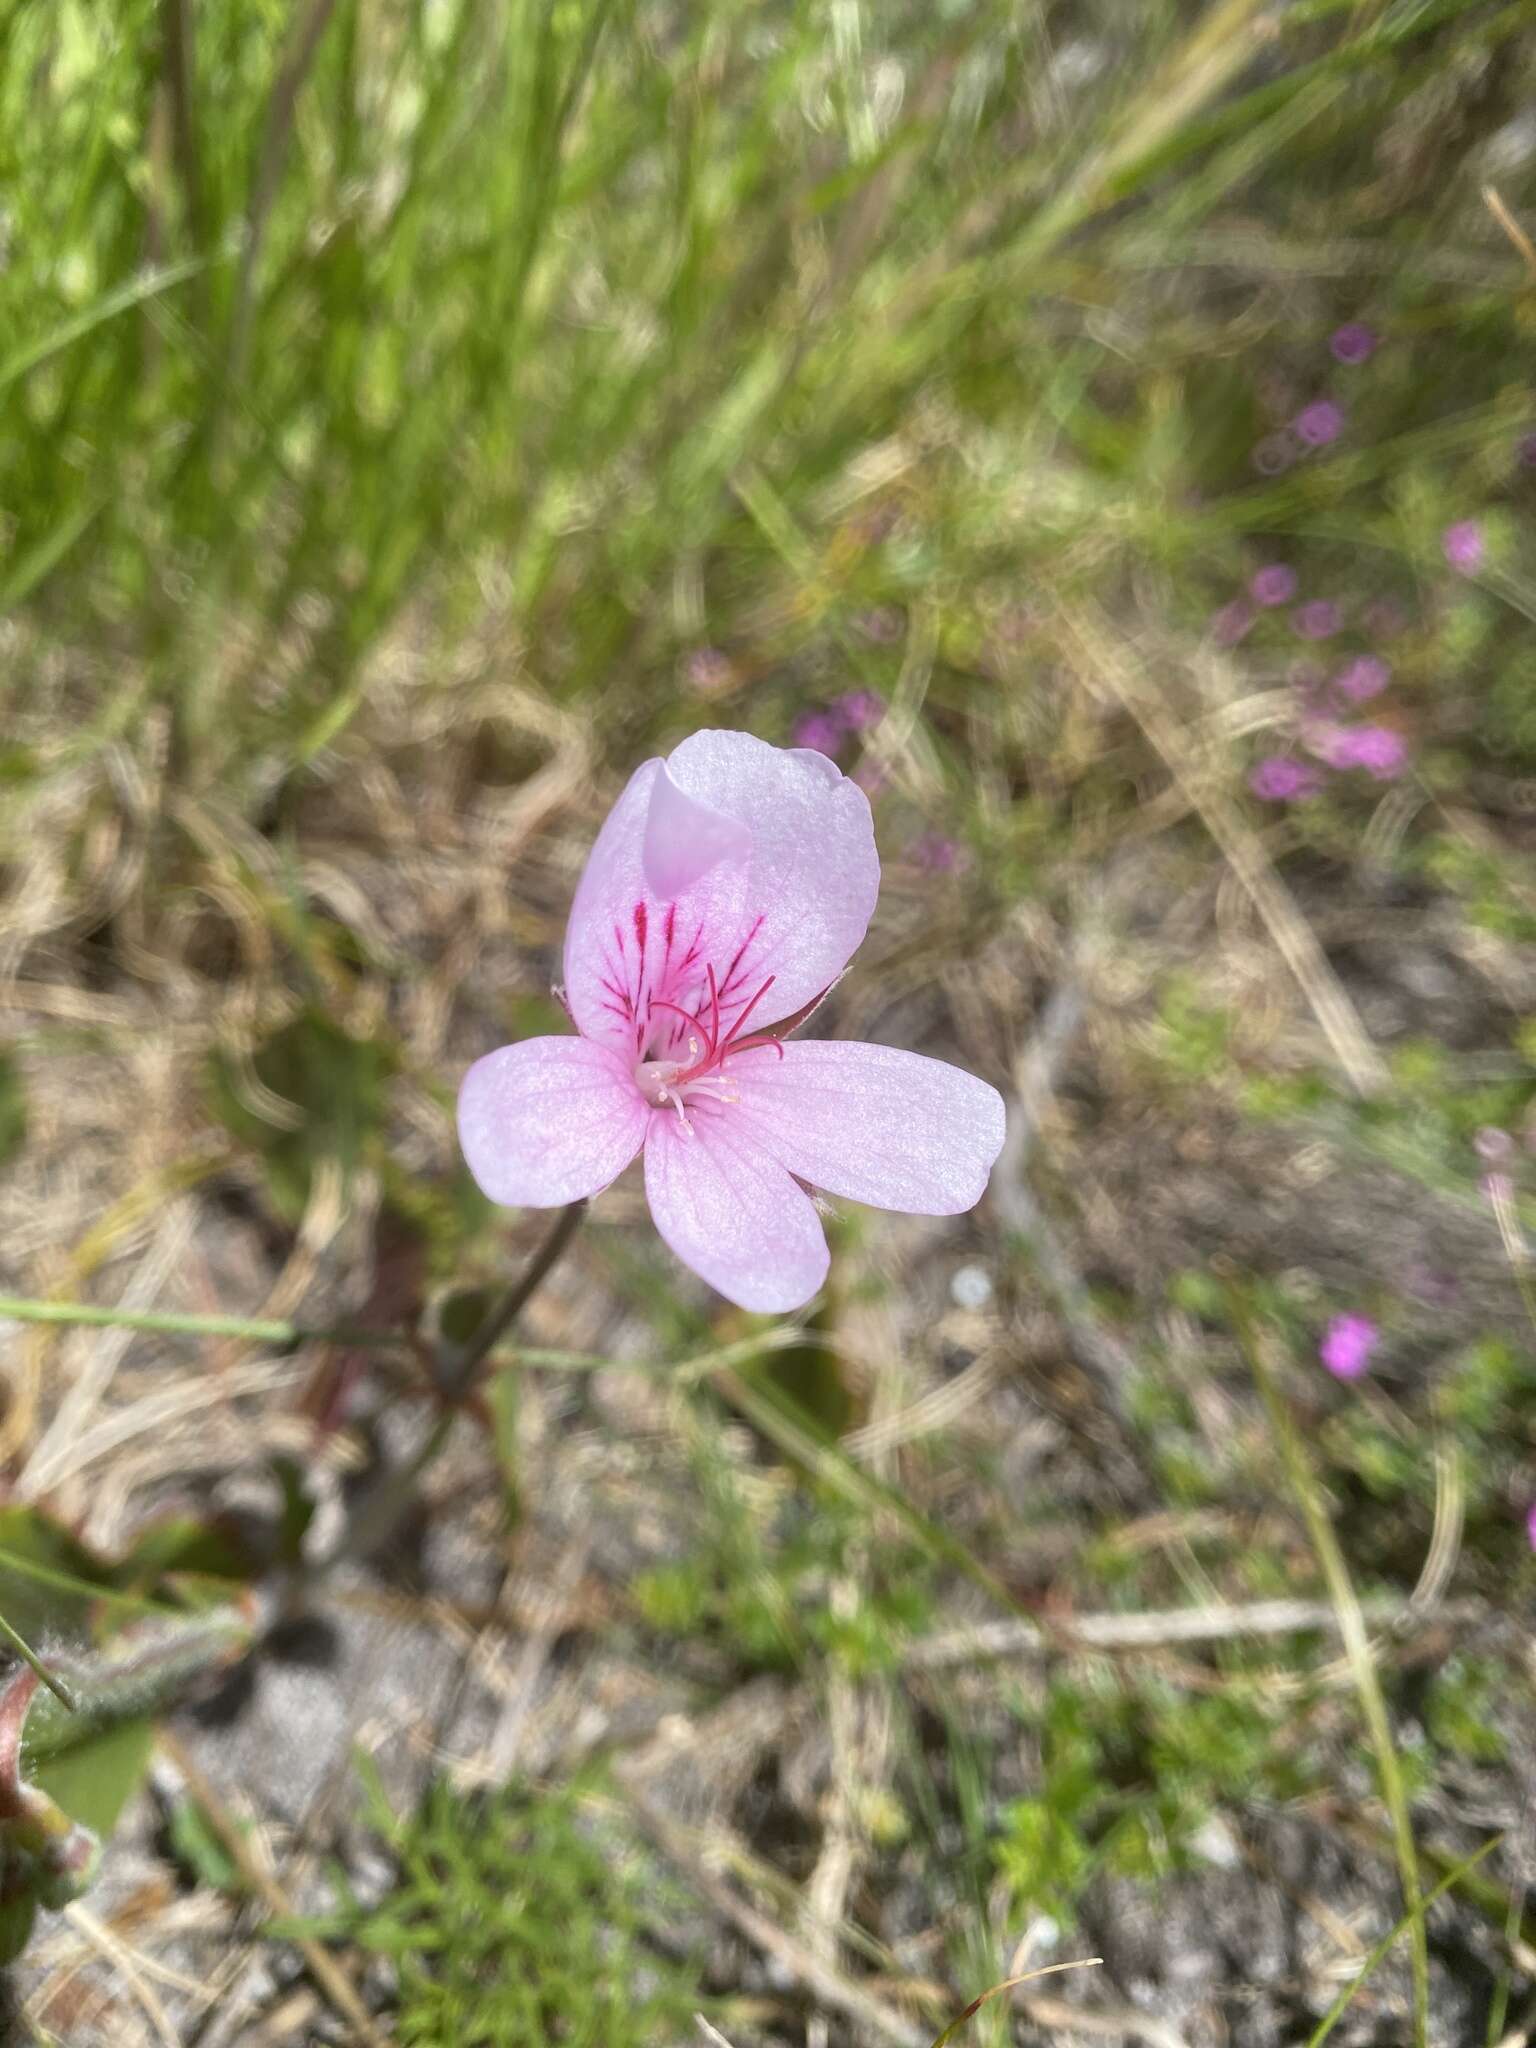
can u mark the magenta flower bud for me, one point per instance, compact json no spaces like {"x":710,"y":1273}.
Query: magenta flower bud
{"x":1366,"y":676}
{"x":1354,"y":342}
{"x":1464,"y":546}
{"x":1274,"y":584}
{"x":1319,"y":423}
{"x":822,"y":731}
{"x":858,"y":710}
{"x":1347,"y":1345}
{"x":1279,"y":780}
{"x":1319,"y":620}
{"x":1380,"y":751}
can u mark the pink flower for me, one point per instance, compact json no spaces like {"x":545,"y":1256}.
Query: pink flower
{"x":1463,"y":545}
{"x":1366,"y":676}
{"x":823,"y":731}
{"x":1275,"y":583}
{"x":858,"y":710}
{"x":1318,"y":620}
{"x":1319,"y":423}
{"x":1377,"y":749}
{"x":1347,"y":1346}
{"x":1354,"y":342}
{"x":1279,"y":779}
{"x":725,"y":894}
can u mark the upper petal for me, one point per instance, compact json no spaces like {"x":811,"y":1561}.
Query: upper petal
{"x":549,"y":1120}
{"x":753,"y":860}
{"x":731,"y":1212}
{"x":800,"y":906}
{"x":871,"y":1123}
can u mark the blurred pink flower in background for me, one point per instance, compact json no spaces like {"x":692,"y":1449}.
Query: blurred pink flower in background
{"x":709,"y":672}
{"x":1233,"y":622}
{"x":823,"y":731}
{"x":1319,"y":620}
{"x":1492,"y":1145}
{"x":1280,"y":779}
{"x":936,"y":853}
{"x":1347,"y":1345}
{"x":1274,"y":584}
{"x":1366,"y":676}
{"x":1319,"y":423}
{"x":858,"y":710}
{"x":1464,"y":546}
{"x":725,"y":893}
{"x":1377,"y":749}
{"x":1354,"y":342}
{"x":1530,"y":1525}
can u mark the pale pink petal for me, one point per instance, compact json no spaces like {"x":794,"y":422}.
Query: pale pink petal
{"x":870,"y":1123}
{"x":751,"y":860}
{"x":732,"y":1213}
{"x":548,"y":1120}
{"x":801,"y":904}
{"x":602,"y":947}
{"x":684,"y":839}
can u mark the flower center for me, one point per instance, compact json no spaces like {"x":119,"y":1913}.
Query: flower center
{"x":697,"y":1067}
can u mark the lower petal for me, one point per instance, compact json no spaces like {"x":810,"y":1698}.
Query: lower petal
{"x":732,"y":1213}
{"x":871,"y":1123}
{"x":548,"y":1120}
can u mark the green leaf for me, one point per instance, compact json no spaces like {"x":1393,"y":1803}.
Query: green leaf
{"x":94,"y":1778}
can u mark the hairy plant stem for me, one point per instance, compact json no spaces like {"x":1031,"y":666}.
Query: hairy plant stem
{"x":380,"y":1510}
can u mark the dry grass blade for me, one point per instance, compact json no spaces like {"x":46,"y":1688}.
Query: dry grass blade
{"x":1011,"y":1984}
{"x":328,"y":1975}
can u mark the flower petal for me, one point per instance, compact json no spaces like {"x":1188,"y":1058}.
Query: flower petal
{"x":871,"y":1123}
{"x":753,"y":860}
{"x":731,"y":1212}
{"x":549,"y":1120}
{"x":801,"y":906}
{"x":685,"y":839}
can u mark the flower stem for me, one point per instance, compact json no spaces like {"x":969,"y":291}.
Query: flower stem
{"x":381,"y":1507}
{"x":517,"y":1297}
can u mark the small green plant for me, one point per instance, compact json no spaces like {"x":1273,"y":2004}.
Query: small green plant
{"x":518,"y":1921}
